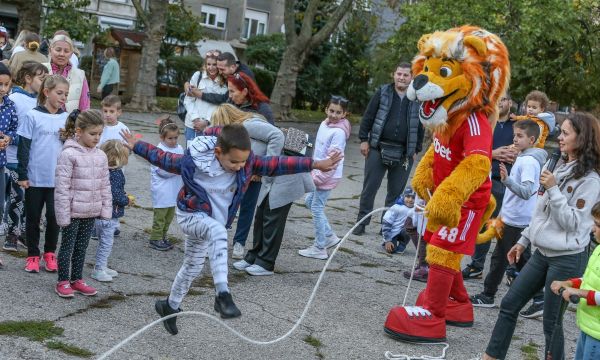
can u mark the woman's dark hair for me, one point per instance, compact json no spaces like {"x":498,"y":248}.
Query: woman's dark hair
{"x":31,"y":69}
{"x":587,"y":128}
{"x":242,"y":81}
{"x":339,"y":100}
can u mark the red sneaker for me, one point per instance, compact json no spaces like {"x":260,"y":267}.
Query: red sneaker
{"x":32,"y":264}
{"x":457,"y":314}
{"x":81,"y":287}
{"x":50,"y":260}
{"x":415,"y":324}
{"x":63,"y":289}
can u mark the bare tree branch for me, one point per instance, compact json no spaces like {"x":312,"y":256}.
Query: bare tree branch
{"x":332,"y":23}
{"x":307,"y":22}
{"x":137,"y":4}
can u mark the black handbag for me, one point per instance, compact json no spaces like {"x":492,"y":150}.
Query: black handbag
{"x":391,"y":154}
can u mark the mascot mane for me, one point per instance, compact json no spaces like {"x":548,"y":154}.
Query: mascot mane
{"x":457,"y":72}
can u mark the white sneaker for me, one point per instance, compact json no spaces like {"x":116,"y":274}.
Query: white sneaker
{"x":332,"y":241}
{"x":258,"y":270}
{"x":238,"y":251}
{"x":111,"y":272}
{"x":314,"y":252}
{"x":101,"y":275}
{"x":241,"y":265}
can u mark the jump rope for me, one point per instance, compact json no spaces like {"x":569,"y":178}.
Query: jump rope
{"x":388,"y":355}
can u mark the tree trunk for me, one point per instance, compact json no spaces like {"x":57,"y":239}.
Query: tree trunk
{"x":284,"y":89}
{"x":144,"y":97}
{"x":29,"y":13}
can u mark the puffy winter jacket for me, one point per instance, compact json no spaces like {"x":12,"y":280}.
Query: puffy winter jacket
{"x":82,"y":187}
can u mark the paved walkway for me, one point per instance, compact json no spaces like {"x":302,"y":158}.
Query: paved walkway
{"x":345,"y":321}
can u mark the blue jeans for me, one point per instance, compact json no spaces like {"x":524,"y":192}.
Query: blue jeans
{"x":247,"y":208}
{"x":316,"y":201}
{"x":106,"y":235}
{"x":190,"y":134}
{"x":588,"y":348}
{"x":538,"y":273}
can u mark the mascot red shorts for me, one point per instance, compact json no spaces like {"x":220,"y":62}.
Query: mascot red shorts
{"x":460,"y":239}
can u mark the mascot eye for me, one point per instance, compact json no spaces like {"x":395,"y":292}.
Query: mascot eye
{"x":426,"y":68}
{"x":445,"y":71}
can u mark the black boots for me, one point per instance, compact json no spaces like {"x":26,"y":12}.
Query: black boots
{"x":163,"y":309}
{"x":225,"y":306}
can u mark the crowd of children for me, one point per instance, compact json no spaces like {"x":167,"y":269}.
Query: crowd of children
{"x":203,"y":187}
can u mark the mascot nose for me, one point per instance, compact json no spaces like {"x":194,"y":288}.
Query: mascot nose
{"x":419,"y":81}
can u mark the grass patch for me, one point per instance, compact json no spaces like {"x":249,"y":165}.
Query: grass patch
{"x":69,"y":349}
{"x":17,"y":254}
{"x":194,"y":292}
{"x":312,"y":341}
{"x":117,"y":297}
{"x":318,"y":116}
{"x":168,"y":104}
{"x":101,"y":304}
{"x":384,"y":282}
{"x":346,"y":250}
{"x":148,"y":276}
{"x":369,"y":265}
{"x":529,"y":351}
{"x":33,"y":330}
{"x":158,"y":293}
{"x":358,"y":242}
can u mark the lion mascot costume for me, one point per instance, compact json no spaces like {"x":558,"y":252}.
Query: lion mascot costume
{"x":460,"y":76}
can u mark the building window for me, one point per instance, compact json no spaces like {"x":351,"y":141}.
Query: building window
{"x":255,"y":23}
{"x":213,"y":16}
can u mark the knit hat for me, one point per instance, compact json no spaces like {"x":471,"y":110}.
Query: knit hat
{"x":4,"y":70}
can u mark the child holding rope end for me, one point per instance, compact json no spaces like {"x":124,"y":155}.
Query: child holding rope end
{"x":588,"y":289}
{"x":216,"y":171}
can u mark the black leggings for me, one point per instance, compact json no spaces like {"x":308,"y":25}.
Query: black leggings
{"x":71,"y":256}
{"x":35,"y":199}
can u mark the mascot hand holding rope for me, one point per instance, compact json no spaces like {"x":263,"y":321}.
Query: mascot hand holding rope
{"x":460,"y":76}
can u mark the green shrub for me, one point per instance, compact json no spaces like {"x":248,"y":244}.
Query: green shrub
{"x":265,"y":80}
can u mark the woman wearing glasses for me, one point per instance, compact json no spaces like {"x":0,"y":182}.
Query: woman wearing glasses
{"x":199,"y":111}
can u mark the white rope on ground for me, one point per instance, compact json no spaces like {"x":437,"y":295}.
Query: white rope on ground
{"x":235,"y":332}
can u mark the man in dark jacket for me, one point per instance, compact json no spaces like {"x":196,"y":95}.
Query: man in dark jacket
{"x":390,"y":137}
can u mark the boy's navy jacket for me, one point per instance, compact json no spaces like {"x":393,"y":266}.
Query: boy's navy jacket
{"x":8,"y":123}
{"x":117,"y":187}
{"x":193,"y":197}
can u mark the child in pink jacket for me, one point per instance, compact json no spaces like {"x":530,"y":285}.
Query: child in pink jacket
{"x":331,"y":138}
{"x":81,"y":194}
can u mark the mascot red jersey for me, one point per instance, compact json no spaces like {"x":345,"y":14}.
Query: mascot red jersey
{"x":460,"y":75}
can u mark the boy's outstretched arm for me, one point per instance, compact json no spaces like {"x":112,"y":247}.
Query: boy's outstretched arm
{"x":163,"y":159}
{"x":285,"y":165}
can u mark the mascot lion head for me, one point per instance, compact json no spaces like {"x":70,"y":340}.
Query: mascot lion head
{"x":458,"y":71}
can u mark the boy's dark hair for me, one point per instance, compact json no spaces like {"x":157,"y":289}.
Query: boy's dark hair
{"x":112,"y":100}
{"x":538,"y":96}
{"x":403,"y":65}
{"x":234,"y":136}
{"x":227,"y":56}
{"x":530,"y":127}
{"x":596,"y":210}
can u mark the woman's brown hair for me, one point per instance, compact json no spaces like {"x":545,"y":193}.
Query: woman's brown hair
{"x":587,"y":128}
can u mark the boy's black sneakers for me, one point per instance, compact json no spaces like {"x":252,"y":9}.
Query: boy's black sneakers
{"x":225,"y":306}
{"x":163,"y":309}
{"x":359,"y":230}
{"x":471,"y":272}
{"x":482,"y":300}
{"x":534,"y":311}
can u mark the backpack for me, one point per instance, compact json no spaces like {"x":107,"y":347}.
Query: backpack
{"x":181,"y":110}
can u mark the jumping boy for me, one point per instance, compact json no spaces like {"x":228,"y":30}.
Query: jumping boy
{"x":216,"y":172}
{"x":517,"y":206}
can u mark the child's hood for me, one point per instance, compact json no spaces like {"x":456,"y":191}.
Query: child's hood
{"x":202,"y":152}
{"x":343,"y":124}
{"x":549,"y":119}
{"x":539,"y":154}
{"x":74,"y":145}
{"x":16,"y":89}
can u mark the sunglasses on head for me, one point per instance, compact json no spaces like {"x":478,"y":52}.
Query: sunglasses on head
{"x":239,"y":77}
{"x":214,"y":53}
{"x":336,"y":99}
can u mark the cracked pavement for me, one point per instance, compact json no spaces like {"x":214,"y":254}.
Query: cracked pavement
{"x":346,"y":317}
